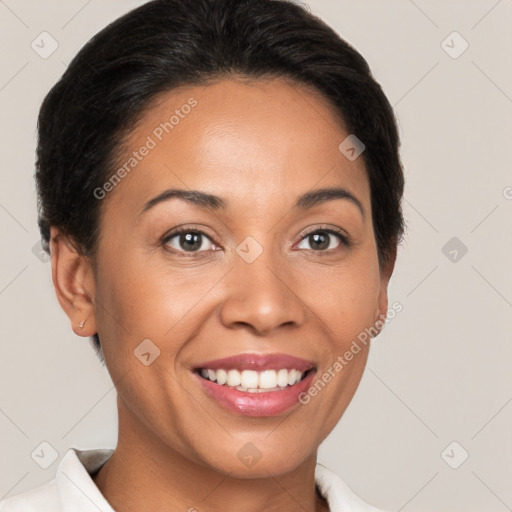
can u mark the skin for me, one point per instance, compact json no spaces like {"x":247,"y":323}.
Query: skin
{"x":259,"y":145}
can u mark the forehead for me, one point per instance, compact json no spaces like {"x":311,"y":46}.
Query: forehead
{"x":251,"y":141}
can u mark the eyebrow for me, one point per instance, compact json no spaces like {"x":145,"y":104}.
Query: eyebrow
{"x":322,"y":195}
{"x":202,"y":199}
{"x":213,"y":202}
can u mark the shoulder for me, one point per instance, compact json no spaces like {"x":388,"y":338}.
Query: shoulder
{"x":44,"y":497}
{"x":338,"y":494}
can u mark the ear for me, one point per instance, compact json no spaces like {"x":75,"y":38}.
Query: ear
{"x":382,"y":301}
{"x":73,"y":280}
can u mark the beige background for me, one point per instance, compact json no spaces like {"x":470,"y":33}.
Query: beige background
{"x":439,"y":373}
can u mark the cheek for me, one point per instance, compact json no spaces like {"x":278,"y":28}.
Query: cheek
{"x":140,"y":300}
{"x":345,"y":297}
{"x":136,"y":303}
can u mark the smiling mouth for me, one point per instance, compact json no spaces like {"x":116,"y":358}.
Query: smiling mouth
{"x":251,"y":381}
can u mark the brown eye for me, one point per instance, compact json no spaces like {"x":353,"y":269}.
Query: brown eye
{"x":322,"y":240}
{"x":189,"y":241}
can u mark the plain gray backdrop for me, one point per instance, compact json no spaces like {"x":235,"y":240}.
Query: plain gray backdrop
{"x":430,"y":426}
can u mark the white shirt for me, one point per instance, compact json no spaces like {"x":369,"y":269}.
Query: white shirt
{"x":73,"y":489}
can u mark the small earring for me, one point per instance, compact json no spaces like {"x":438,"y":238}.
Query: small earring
{"x":81,"y":324}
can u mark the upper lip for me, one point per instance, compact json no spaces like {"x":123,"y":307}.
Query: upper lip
{"x":258,"y":362}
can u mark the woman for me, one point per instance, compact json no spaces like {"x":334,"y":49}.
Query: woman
{"x":219,"y":189}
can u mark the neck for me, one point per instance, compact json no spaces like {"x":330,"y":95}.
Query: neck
{"x":144,"y":474}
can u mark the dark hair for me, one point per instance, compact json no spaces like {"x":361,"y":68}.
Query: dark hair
{"x":165,"y":44}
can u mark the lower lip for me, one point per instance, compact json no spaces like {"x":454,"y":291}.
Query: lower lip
{"x":244,"y":403}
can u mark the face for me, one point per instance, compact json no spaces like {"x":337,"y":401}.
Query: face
{"x":262,"y":274}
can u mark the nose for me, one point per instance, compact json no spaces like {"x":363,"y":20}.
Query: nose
{"x":261,"y":298}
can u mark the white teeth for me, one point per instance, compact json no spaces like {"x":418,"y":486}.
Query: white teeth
{"x":222,"y":377}
{"x":249,"y":379}
{"x":268,"y":379}
{"x":282,"y":378}
{"x":293,"y":377}
{"x":253,"y":381}
{"x":233,"y":378}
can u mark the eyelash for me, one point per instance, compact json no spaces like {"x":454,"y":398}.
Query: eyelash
{"x":343,"y":238}
{"x":180,"y":230}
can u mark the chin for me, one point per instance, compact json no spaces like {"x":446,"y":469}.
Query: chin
{"x":251,"y":459}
